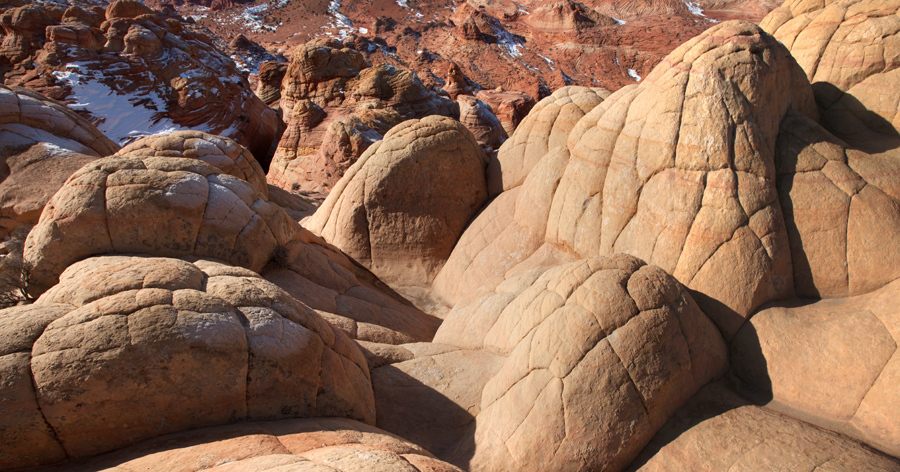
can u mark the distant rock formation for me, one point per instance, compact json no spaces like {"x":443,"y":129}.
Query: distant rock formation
{"x":136,"y":70}
{"x":336,"y":106}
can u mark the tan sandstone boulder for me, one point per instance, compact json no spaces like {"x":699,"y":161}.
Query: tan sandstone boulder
{"x":594,"y":356}
{"x":314,"y":445}
{"x":400,"y":209}
{"x":719,"y":430}
{"x":202,"y":343}
{"x":666,"y":171}
{"x":838,"y":368}
{"x":222,"y":153}
{"x":26,"y":440}
{"x":545,"y":128}
{"x":186,"y":207}
{"x":41,"y":144}
{"x":841,"y":209}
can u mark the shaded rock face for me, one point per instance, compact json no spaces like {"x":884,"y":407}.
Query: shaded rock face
{"x":336,"y":106}
{"x":718,"y":429}
{"x":41,"y":143}
{"x":168,"y":73}
{"x":836,"y":176}
{"x":478,"y":118}
{"x":404,"y":234}
{"x":799,"y":377}
{"x":509,"y":107}
{"x":589,"y":359}
{"x":270,"y":76}
{"x":205,"y":344}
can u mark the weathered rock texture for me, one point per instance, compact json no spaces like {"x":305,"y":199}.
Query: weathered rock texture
{"x":598,"y":354}
{"x":671,"y":172}
{"x":185,"y":207}
{"x":330,"y":95}
{"x":315,"y":445}
{"x":510,"y":107}
{"x":719,"y":430}
{"x":204,"y":343}
{"x":170,"y":72}
{"x":222,"y":153}
{"x":546,"y":128}
{"x":403,"y":233}
{"x":478,"y":118}
{"x":850,"y":343}
{"x":41,"y":144}
{"x":836,"y":177}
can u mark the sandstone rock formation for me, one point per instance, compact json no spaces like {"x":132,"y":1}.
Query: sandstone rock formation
{"x":137,"y":70}
{"x":319,"y":444}
{"x":456,"y":82}
{"x":270,"y":76}
{"x":569,"y":299}
{"x":222,"y":153}
{"x":545,"y":128}
{"x":651,"y":178}
{"x":478,"y":118}
{"x":509,"y":107}
{"x":330,"y":95}
{"x":834,"y":174}
{"x":41,"y":144}
{"x":187,"y":207}
{"x":192,"y":207}
{"x":719,"y":430}
{"x":799,"y":373}
{"x":594,"y":356}
{"x":402,"y":234}
{"x":205,"y":343}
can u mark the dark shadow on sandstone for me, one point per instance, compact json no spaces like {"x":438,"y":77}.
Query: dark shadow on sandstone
{"x":424,"y":415}
{"x":846,"y":117}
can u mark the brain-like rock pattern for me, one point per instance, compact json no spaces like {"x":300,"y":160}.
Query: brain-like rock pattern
{"x":222,"y":153}
{"x":203,"y":343}
{"x":599,"y":353}
{"x":839,"y":42}
{"x":836,"y":199}
{"x":160,"y":206}
{"x":680,"y":171}
{"x":719,"y":430}
{"x":849,"y":342}
{"x":41,"y":144}
{"x":315,"y":445}
{"x":850,"y":51}
{"x":404,"y":233}
{"x":545,"y":128}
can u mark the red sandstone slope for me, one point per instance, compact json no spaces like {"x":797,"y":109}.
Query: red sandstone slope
{"x":533,"y":45}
